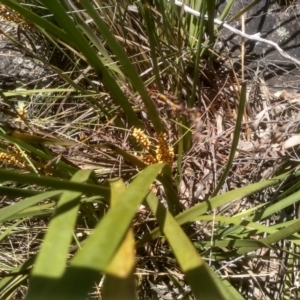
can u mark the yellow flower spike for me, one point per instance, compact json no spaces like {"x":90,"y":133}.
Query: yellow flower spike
{"x":148,"y":159}
{"x":164,"y":152}
{"x":13,"y":159}
{"x":22,"y":111}
{"x":141,"y":138}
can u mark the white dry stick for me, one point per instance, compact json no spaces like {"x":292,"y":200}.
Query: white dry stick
{"x":253,"y":37}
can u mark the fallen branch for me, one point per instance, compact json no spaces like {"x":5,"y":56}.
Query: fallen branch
{"x":253,"y":37}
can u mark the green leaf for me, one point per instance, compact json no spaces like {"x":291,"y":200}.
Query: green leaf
{"x":128,"y":67}
{"x":16,"y":192}
{"x":191,"y":263}
{"x":120,"y":271}
{"x":172,"y":198}
{"x":11,"y":282}
{"x":100,"y":248}
{"x":57,"y":240}
{"x":236,"y":139}
{"x":37,"y":20}
{"x":83,"y":45}
{"x":55,"y":183}
{"x":35,"y":139}
{"x":10,"y":211}
{"x":273,"y":238}
{"x":194,"y":212}
{"x":8,"y":231}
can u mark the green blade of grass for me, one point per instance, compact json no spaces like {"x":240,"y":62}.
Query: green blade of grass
{"x":36,"y":91}
{"x":192,"y":213}
{"x":152,"y":41}
{"x":92,"y":58}
{"x":12,"y":210}
{"x":283,"y":203}
{"x":8,"y":231}
{"x":211,"y":7}
{"x":38,"y":211}
{"x":128,"y":67}
{"x":55,"y":183}
{"x":10,"y":283}
{"x":57,"y":240}
{"x":73,"y":36}
{"x":120,"y":272}
{"x":273,"y":238}
{"x":17,"y":192}
{"x":199,"y":53}
{"x":37,"y":20}
{"x":193,"y":266}
{"x":195,"y":29}
{"x":244,"y":10}
{"x":104,"y":55}
{"x":99,"y":249}
{"x":241,"y":224}
{"x":173,"y":201}
{"x":236,"y":138}
{"x":166,"y":180}
{"x":125,"y":154}
{"x":35,"y":139}
{"x":226,"y":10}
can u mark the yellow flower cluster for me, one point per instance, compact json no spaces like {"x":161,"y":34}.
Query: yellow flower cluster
{"x":163,"y":153}
{"x":16,"y":158}
{"x":12,"y":16}
{"x":141,"y":138}
{"x":11,"y":160}
{"x":22,"y":113}
{"x":148,"y":159}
